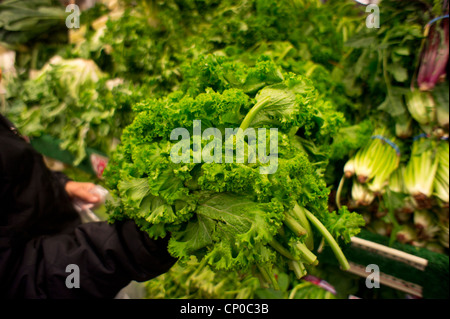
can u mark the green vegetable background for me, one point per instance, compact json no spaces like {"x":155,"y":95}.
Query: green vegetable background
{"x":362,"y":119}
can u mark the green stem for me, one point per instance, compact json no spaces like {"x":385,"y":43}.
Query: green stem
{"x":330,"y":240}
{"x":202,"y":264}
{"x":298,"y":268}
{"x":253,"y":112}
{"x":307,"y":255}
{"x":268,"y":276}
{"x":295,"y":226}
{"x":296,"y":288}
{"x":339,"y":191}
{"x":263,"y":283}
{"x":283,"y":251}
{"x":299,"y":212}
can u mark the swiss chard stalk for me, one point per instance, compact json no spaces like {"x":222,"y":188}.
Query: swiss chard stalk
{"x":384,"y":171}
{"x":298,"y":268}
{"x":330,"y":240}
{"x":366,"y":160}
{"x":377,"y":159}
{"x":421,"y":169}
{"x":435,"y":54}
{"x":306,"y":255}
{"x":283,"y":251}
{"x":295,"y":226}
{"x":349,"y":168}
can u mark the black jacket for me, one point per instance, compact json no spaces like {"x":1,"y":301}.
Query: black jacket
{"x":41,"y":234}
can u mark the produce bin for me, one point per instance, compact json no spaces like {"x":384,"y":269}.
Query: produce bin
{"x":413,"y":270}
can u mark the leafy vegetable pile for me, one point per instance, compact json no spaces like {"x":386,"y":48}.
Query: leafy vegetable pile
{"x":74,"y":101}
{"x":230,"y":214}
{"x":198,"y":281}
{"x":393,"y":179}
{"x":361,"y":114}
{"x":24,"y":21}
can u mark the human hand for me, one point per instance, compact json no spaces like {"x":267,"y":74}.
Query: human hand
{"x":82,"y":191}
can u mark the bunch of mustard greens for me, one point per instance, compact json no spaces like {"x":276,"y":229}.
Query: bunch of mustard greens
{"x":238,"y":214}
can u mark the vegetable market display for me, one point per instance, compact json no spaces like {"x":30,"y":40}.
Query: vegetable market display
{"x":230,"y":214}
{"x":361,"y":117}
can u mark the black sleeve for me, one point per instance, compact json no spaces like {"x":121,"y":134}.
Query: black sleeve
{"x":41,"y":234}
{"x":108,"y":256}
{"x":61,"y":178}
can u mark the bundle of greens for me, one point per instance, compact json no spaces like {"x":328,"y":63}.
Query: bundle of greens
{"x":22,"y":21}
{"x":238,"y":213}
{"x":74,"y":101}
{"x":413,"y":205}
{"x":34,"y":29}
{"x":374,"y":163}
{"x":194,"y":280}
{"x":441,"y":182}
{"x":421,"y":169}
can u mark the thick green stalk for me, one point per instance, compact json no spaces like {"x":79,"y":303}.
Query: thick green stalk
{"x":283,"y":251}
{"x":200,"y":267}
{"x":253,"y":112}
{"x":330,"y":240}
{"x":299,"y":212}
{"x":380,"y":163}
{"x":295,"y":226}
{"x":377,"y":158}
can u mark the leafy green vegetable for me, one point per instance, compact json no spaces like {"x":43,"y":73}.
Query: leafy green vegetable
{"x":229,"y":213}
{"x":351,"y":138}
{"x":23,"y":21}
{"x":75,"y":102}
